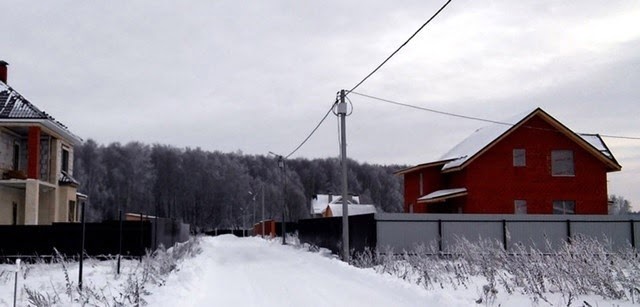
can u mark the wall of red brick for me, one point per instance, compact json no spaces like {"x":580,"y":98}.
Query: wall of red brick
{"x":431,"y":181}
{"x":493,"y":183}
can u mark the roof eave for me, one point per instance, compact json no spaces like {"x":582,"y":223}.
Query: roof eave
{"x":443,"y":198}
{"x":55,"y":128}
{"x":421,"y":166}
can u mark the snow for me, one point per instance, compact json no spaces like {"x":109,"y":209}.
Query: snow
{"x":442,"y":193}
{"x":232,"y":271}
{"x":254,"y":272}
{"x":597,"y":143}
{"x":320,"y":201}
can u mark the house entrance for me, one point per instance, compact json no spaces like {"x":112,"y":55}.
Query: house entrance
{"x":14,"y":215}
{"x":444,"y":207}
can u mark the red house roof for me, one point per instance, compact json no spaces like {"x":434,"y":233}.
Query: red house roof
{"x":484,"y":138}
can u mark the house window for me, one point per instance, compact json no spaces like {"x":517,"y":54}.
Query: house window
{"x":562,"y":163}
{"x":16,"y":157}
{"x":72,"y":211}
{"x":520,"y":206}
{"x":65,"y":160}
{"x":564,"y":207}
{"x":519,"y":157}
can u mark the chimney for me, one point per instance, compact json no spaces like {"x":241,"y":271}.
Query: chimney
{"x":3,"y":71}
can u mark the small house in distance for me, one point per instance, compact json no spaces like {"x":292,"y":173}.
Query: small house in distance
{"x":532,"y":165}
{"x":36,"y":163}
{"x":328,"y":205}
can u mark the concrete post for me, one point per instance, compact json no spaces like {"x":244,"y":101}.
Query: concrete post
{"x":31,"y":202}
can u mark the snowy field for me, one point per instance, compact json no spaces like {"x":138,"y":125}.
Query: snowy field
{"x":231,"y":271}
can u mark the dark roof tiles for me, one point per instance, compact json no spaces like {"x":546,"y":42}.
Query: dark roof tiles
{"x":14,"y":106}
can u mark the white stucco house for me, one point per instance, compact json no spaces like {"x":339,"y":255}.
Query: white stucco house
{"x":36,"y":163}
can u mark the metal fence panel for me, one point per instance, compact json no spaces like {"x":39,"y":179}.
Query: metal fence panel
{"x":473,"y":231}
{"x":617,"y":234}
{"x":545,"y":236}
{"x":406,"y":235}
{"x":402,"y":231}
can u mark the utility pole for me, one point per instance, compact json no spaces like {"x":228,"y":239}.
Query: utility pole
{"x":342,"y":112}
{"x":284,"y":198}
{"x":262,"y":196}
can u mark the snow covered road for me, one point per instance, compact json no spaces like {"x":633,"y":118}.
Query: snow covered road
{"x":235,"y":271}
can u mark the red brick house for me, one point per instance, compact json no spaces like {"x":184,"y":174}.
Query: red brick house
{"x":534,"y":166}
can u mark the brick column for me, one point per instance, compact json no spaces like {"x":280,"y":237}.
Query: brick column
{"x":33,"y":153}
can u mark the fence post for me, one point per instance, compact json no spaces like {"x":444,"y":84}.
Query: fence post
{"x":15,"y":286}
{"x":440,"y":236}
{"x":568,"y":231}
{"x":633,"y":233}
{"x":81,"y":260}
{"x":504,"y":234}
{"x":119,"y":239}
{"x":141,"y":236}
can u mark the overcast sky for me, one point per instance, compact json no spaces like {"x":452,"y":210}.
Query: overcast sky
{"x":257,"y":76}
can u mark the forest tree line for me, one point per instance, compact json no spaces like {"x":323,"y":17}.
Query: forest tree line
{"x":218,"y":190}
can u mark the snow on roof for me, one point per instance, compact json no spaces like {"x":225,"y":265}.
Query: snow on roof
{"x":336,"y":209}
{"x":597,"y":142}
{"x":479,"y":140}
{"x":320,"y":201}
{"x":443,"y":194}
{"x":483,"y":137}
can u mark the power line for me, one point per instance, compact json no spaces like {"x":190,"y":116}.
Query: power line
{"x":472,"y":117}
{"x":312,"y":131}
{"x":367,"y":77}
{"x":619,"y":137}
{"x":432,"y":110}
{"x":401,"y":46}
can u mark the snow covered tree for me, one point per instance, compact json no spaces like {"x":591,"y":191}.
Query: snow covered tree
{"x":618,"y":205}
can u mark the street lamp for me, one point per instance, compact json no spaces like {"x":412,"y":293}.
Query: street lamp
{"x":243,"y":223}
{"x":254,"y":205}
